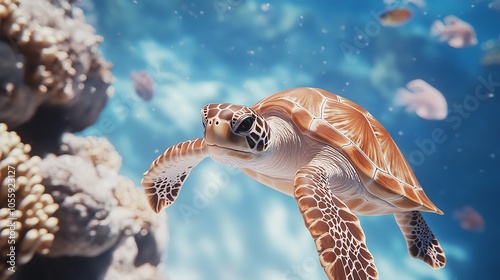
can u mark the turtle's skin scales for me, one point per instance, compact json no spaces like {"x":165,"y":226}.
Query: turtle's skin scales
{"x":328,"y":153}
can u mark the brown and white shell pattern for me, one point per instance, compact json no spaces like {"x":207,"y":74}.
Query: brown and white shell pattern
{"x":351,"y":130}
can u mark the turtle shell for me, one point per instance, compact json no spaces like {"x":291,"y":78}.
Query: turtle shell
{"x":346,"y":126}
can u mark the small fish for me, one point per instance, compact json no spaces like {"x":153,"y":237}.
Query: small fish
{"x":395,"y":17}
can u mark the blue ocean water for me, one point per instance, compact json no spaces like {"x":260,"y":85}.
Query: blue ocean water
{"x":225,"y":225}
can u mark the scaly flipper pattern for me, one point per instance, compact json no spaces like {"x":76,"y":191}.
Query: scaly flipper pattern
{"x":164,"y":179}
{"x":336,"y":231}
{"x":422,"y":244}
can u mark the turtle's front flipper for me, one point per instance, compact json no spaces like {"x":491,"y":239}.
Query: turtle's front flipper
{"x":339,"y":239}
{"x":164,"y":178}
{"x":422,"y":244}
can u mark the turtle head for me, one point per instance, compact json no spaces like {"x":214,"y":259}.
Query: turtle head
{"x":234,"y":131}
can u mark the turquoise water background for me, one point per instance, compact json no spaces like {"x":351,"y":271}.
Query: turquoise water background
{"x":225,"y":225}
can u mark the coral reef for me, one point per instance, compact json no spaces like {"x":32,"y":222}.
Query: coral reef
{"x":89,"y":219}
{"x":105,"y":221}
{"x":124,"y":264}
{"x":26,"y":211}
{"x":46,"y":64}
{"x":139,"y":255}
{"x":152,"y":238}
{"x":98,"y":207}
{"x":77,"y":218}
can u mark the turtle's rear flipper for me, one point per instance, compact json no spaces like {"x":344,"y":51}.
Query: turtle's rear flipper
{"x":168,"y":172}
{"x":422,"y":244}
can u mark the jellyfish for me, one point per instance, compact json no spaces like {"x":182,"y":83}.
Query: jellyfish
{"x":423,"y":99}
{"x":143,"y":84}
{"x":495,"y":4}
{"x":469,"y":219}
{"x":491,"y":52}
{"x":458,"y":33}
{"x":418,"y":3}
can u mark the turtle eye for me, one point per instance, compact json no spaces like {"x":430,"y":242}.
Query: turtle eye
{"x":245,"y":125}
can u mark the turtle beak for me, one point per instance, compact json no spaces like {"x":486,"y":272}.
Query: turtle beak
{"x":220,"y":138}
{"x":216,"y":132}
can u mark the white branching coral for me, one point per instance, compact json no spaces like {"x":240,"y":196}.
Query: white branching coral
{"x":131,"y":197}
{"x":138,"y":255}
{"x":99,"y":150}
{"x":27,"y":225}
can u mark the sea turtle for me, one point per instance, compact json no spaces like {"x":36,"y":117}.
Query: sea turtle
{"x":328,"y":153}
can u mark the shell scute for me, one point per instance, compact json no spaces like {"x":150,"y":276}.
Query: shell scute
{"x":355,"y":125}
{"x":303,"y":118}
{"x":309,"y":102}
{"x":321,"y":128}
{"x":360,"y":160}
{"x":390,"y":182}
